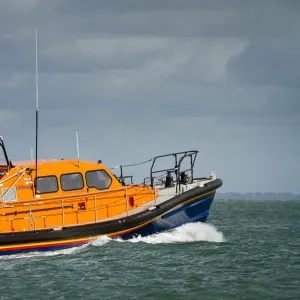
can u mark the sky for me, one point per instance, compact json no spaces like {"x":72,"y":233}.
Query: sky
{"x":143,"y":78}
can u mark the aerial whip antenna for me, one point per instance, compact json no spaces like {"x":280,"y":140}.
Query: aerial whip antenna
{"x":37,"y":105}
{"x":77,"y":147}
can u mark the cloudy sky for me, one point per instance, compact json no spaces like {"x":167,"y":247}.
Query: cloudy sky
{"x":143,"y":78}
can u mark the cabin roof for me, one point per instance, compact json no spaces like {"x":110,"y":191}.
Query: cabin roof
{"x":50,"y":161}
{"x":58,"y":166}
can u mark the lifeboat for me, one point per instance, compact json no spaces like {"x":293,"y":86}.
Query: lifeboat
{"x":58,"y":204}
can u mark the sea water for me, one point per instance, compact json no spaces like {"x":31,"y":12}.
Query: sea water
{"x":246,"y":250}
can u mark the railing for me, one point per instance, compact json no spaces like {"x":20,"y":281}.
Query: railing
{"x":68,"y":202}
{"x":179,"y":157}
{"x":122,"y":179}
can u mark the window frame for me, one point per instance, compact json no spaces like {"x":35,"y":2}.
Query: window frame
{"x":101,"y":170}
{"x":47,"y":176}
{"x":71,"y":174}
{"x":5,"y":192}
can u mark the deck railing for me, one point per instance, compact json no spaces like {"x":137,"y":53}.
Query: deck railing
{"x":31,"y":207}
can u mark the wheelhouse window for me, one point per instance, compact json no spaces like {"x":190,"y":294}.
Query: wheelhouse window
{"x":98,"y":179}
{"x":46,"y":184}
{"x":71,"y":182}
{"x":9,"y":194}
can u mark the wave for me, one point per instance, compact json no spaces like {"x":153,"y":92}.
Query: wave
{"x":38,"y":254}
{"x":187,"y":233}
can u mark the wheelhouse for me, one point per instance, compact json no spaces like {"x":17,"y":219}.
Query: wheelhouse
{"x":55,"y":179}
{"x":86,"y":180}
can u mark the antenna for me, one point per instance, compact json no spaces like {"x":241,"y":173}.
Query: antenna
{"x":37,"y":103}
{"x":77,"y":147}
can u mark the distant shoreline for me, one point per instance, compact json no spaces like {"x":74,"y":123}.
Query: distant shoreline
{"x":257,"y":196}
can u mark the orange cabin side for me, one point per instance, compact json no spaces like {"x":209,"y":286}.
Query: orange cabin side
{"x":60,"y":202}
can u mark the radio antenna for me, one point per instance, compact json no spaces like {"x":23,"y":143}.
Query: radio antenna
{"x":37,"y":104}
{"x":77,"y":147}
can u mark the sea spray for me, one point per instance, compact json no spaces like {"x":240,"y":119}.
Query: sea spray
{"x":187,"y":233}
{"x":102,"y":240}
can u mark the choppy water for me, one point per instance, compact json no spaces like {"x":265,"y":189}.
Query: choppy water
{"x":248,"y":250}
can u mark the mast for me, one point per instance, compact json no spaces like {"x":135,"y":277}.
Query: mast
{"x":77,"y":147}
{"x":37,"y":103}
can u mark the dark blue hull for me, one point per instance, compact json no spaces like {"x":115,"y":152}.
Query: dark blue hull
{"x":190,"y":206}
{"x":195,"y":211}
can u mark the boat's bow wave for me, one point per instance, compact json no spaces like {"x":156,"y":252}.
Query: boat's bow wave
{"x":187,"y":233}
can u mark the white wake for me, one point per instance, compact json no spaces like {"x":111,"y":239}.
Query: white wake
{"x":102,"y":240}
{"x":191,"y":232}
{"x":34,"y":254}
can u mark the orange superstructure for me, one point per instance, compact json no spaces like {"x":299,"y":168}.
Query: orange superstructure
{"x":65,"y":193}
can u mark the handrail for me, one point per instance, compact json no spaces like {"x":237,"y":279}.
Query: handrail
{"x":69,"y":202}
{"x":10,"y":177}
{"x":21,"y":173}
{"x":191,"y":153}
{"x":122,"y":179}
{"x":115,"y":200}
{"x":72,"y":196}
{"x":31,"y":217}
{"x":179,"y":165}
{"x":31,"y":211}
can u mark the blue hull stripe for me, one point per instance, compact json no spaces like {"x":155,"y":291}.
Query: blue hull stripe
{"x":185,"y":207}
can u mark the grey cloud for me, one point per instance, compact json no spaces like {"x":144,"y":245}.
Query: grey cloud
{"x":142,"y":78}
{"x":163,"y":18}
{"x":188,"y":18}
{"x":269,"y":61}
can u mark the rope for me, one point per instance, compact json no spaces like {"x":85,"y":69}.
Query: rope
{"x":137,"y":164}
